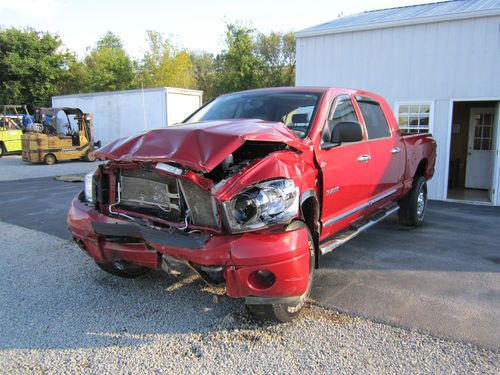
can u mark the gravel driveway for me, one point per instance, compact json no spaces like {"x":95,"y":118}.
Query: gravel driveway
{"x":13,"y":168}
{"x":59,"y":312}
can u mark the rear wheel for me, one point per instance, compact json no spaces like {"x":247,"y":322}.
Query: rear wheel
{"x":124,"y":269}
{"x":89,"y":156}
{"x":412,"y":208}
{"x":284,"y":312}
{"x":49,"y":159}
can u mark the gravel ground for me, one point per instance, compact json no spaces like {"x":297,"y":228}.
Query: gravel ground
{"x":60,"y":313}
{"x":13,"y":168}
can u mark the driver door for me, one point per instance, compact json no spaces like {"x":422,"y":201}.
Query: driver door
{"x":345,"y":174}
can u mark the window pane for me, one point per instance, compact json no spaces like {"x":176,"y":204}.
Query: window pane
{"x":477,"y":144}
{"x":425,"y":108}
{"x":343,"y":110}
{"x":414,"y":108}
{"x":376,"y":124}
{"x":487,"y":130}
{"x":486,"y":144}
{"x":424,"y":121}
{"x":477,"y":131}
{"x":487,"y":119}
{"x":415,"y":117}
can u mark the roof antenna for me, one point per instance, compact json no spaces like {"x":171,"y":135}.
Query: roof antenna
{"x":144,"y":107}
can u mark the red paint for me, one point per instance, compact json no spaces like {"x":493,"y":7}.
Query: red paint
{"x":203,"y":146}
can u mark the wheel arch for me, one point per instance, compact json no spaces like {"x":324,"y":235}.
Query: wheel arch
{"x":421,"y":169}
{"x":309,"y":213}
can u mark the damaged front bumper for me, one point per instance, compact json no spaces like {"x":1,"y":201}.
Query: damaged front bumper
{"x":268,"y":265}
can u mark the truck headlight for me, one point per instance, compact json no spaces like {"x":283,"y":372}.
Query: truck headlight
{"x":270,"y":202}
{"x":89,"y":190}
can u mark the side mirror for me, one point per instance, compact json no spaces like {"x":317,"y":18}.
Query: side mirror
{"x":347,"y":131}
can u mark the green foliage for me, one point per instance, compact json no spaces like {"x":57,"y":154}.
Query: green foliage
{"x":203,"y":69}
{"x":30,"y":66}
{"x":108,"y":66}
{"x":253,"y":60}
{"x":278,"y":52}
{"x":238,"y":67}
{"x":165,"y":65}
{"x":34,"y":67}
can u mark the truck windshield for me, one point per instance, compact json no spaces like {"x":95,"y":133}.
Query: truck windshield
{"x":295,"y":110}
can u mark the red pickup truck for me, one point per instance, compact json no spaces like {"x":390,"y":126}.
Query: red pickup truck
{"x":252,"y":189}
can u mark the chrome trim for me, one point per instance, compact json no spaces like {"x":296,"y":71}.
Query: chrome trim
{"x":333,"y":220}
{"x":333,"y":244}
{"x":364,"y":158}
{"x":395,"y":150}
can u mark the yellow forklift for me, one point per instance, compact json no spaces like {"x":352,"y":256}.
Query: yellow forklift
{"x":12,"y":123}
{"x":60,"y":134}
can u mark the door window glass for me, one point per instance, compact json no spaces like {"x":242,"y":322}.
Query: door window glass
{"x":342,"y":110}
{"x":375,"y":122}
{"x":483,"y":131}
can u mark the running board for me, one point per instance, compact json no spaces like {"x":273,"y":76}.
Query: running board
{"x":353,"y":232}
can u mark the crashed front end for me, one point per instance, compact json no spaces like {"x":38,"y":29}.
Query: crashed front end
{"x":233,"y":224}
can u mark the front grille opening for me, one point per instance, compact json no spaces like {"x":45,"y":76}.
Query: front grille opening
{"x":166,"y":197}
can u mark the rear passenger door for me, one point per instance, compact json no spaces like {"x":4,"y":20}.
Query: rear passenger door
{"x":386,"y":162}
{"x":345,"y":175}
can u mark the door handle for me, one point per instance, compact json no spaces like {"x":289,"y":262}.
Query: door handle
{"x":395,"y":150}
{"x":364,"y":158}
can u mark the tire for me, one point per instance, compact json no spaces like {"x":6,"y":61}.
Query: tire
{"x":2,"y":150}
{"x":285,"y":312}
{"x":123,"y":269}
{"x":412,"y":208}
{"x":49,"y":159}
{"x":89,"y":156}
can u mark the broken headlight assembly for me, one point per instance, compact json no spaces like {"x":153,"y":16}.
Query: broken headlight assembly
{"x":264,"y":204}
{"x":89,"y":191}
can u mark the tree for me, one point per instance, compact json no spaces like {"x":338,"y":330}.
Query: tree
{"x":165,"y":65}
{"x":204,"y":73}
{"x":30,"y":66}
{"x":239,"y":66}
{"x":278,"y":52}
{"x":108,"y":66}
{"x":74,"y":77}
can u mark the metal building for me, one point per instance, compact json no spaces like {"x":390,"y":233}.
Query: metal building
{"x":124,"y":113}
{"x":438,"y":65}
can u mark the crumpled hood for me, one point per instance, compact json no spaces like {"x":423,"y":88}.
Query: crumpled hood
{"x":199,"y":146}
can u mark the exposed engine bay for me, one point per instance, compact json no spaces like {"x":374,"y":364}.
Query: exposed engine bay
{"x":143,"y":189}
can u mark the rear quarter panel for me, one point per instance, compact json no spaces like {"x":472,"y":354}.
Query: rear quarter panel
{"x":419,"y":147}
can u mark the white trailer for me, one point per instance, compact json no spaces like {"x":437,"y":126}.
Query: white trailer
{"x":124,"y":113}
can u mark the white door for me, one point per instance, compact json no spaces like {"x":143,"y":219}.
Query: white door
{"x":481,"y":149}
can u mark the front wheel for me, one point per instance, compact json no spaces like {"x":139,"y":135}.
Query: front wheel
{"x":412,"y":208}
{"x":123,"y":269}
{"x":89,"y":156}
{"x":49,"y":159}
{"x":2,"y":150}
{"x":284,"y":312}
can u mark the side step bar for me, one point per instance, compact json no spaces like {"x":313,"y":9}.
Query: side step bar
{"x":345,"y":236}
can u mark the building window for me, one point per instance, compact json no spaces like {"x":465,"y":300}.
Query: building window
{"x":414,"y":117}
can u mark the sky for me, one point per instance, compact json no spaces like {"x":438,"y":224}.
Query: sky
{"x":192,"y":24}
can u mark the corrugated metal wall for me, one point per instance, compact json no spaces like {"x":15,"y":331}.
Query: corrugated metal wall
{"x":436,"y":61}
